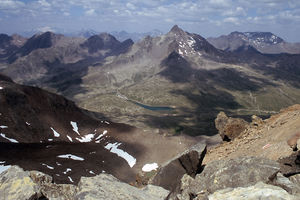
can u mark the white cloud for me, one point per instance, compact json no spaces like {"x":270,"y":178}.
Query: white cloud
{"x":233,"y":20}
{"x":11,"y":6}
{"x":115,"y":14}
{"x":90,"y":12}
{"x":45,"y":29}
{"x":44,"y":3}
{"x":66,"y":13}
{"x":130,"y":6}
{"x":220,"y":3}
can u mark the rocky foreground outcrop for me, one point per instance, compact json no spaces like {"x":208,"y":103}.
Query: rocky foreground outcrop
{"x":257,"y":164}
{"x":189,"y":162}
{"x":230,"y":177}
{"x":17,"y":184}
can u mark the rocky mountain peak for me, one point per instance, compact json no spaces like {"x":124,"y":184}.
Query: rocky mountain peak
{"x":39,"y":41}
{"x":4,"y":38}
{"x":103,"y":41}
{"x":107,"y":37}
{"x":264,"y":42}
{"x":266,"y":37}
{"x":176,"y":30}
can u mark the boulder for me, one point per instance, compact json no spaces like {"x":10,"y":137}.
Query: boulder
{"x":260,"y":191}
{"x":58,"y":191}
{"x":294,"y":141}
{"x":105,"y":186}
{"x":189,"y":162}
{"x":16,"y":184}
{"x":256,"y":121}
{"x":290,"y":165}
{"x":238,"y":172}
{"x":286,"y":184}
{"x":50,"y":190}
{"x":295,"y":179}
{"x":229,"y":128}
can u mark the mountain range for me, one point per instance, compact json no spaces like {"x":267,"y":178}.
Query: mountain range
{"x":170,"y":84}
{"x":264,"y":42}
{"x":86,"y":33}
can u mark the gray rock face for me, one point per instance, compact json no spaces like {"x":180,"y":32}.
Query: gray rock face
{"x":229,"y":128}
{"x":286,"y":184}
{"x":105,"y":186}
{"x":15,"y":184}
{"x":239,"y":172}
{"x":50,"y":190}
{"x":260,"y":191}
{"x":189,"y":162}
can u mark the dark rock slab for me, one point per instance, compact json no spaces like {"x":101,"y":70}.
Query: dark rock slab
{"x":189,"y":162}
{"x":105,"y":186}
{"x":239,"y":172}
{"x":260,"y":191}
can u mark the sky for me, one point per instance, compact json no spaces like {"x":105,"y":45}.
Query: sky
{"x":204,"y":17}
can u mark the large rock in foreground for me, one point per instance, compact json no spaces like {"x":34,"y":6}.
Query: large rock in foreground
{"x":189,"y":162}
{"x":229,"y":128}
{"x":105,"y":186}
{"x":16,"y":184}
{"x":260,"y":191}
{"x":239,"y":172}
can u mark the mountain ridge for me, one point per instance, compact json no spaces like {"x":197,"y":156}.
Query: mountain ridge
{"x":265,"y":42}
{"x":205,"y":81}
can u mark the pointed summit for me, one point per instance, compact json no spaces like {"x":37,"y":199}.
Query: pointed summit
{"x":176,"y":29}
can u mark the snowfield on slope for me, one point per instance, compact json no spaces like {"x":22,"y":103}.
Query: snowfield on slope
{"x":149,"y":167}
{"x":10,"y":139}
{"x":86,"y":138}
{"x":114,"y":149}
{"x":75,"y":127}
{"x":56,"y":134}
{"x":70,"y":156}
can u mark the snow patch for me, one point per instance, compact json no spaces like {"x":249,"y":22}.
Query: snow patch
{"x":49,"y":167}
{"x":28,"y":123}
{"x":4,"y":168}
{"x":69,"y":138}
{"x":180,"y":52}
{"x":75,"y":127}
{"x":150,"y":167}
{"x":114,"y":149}
{"x":106,"y":122}
{"x":1,"y":88}
{"x":86,"y":138}
{"x":58,"y":164}
{"x":70,"y":179}
{"x":10,"y":139}
{"x":91,"y":172}
{"x":70,"y":156}
{"x":56,"y":134}
{"x":67,"y":170}
{"x":122,"y":96}
{"x":3,"y":126}
{"x":100,"y":136}
{"x":50,"y":140}
{"x":191,"y":42}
